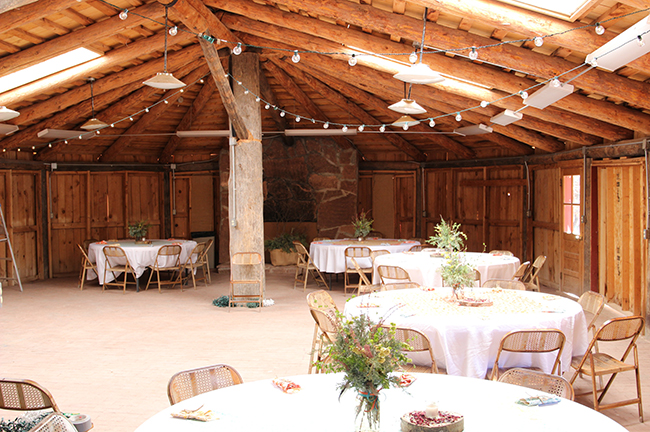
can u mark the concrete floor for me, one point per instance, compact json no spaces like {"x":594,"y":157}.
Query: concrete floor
{"x":110,"y":355}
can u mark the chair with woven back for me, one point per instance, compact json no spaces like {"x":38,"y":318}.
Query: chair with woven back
{"x":592,"y":303}
{"x":247,"y":273}
{"x":204,"y":260}
{"x":188,"y":383}
{"x":421,"y":247}
{"x":537,"y":341}
{"x":417,"y":342}
{"x":379,"y":252}
{"x":168,"y":259}
{"x":117,"y":262}
{"x":537,"y":380}
{"x":54,"y":422}
{"x":398,"y":286}
{"x":305,"y":266}
{"x":363,"y":258}
{"x":501,"y":252}
{"x":194,"y":263}
{"x":531,"y":278}
{"x":25,"y":395}
{"x":393,"y":274}
{"x":323,"y":301}
{"x":327,"y":321}
{"x":597,"y":364}
{"x":521,"y":271}
{"x":504,"y":284}
{"x":86,"y":264}
{"x":364,"y":287}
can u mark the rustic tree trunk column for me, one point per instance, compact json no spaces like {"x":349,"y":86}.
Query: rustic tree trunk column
{"x":245,"y":193}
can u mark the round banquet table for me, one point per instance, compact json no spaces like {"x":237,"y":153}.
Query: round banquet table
{"x":466,"y":339}
{"x":140,"y":255}
{"x":486,"y":405}
{"x":329,"y":255}
{"x":424,"y":268}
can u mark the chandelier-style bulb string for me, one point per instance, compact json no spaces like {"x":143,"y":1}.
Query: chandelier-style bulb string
{"x":424,"y":29}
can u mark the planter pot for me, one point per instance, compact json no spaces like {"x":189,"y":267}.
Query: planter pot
{"x":281,"y":258}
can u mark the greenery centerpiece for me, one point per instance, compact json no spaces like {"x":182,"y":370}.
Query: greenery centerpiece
{"x":367,"y":353}
{"x":448,"y":236}
{"x":139,"y":229}
{"x":455,"y":271}
{"x":362,"y":225}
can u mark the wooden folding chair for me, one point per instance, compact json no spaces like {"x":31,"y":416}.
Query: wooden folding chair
{"x":86,"y":265}
{"x":195,"y":263}
{"x":306,"y":266}
{"x":504,"y":284}
{"x":117,"y":262}
{"x":25,"y":395}
{"x":364,"y":287}
{"x":168,"y":259}
{"x":328,"y":327}
{"x":246,"y":269}
{"x":421,"y":247}
{"x":379,"y":252}
{"x":204,"y":260}
{"x":188,"y":383}
{"x":417,"y":342}
{"x":361,"y":253}
{"x":392,"y":274}
{"x":521,"y":271}
{"x":397,"y":286}
{"x":531,"y":278}
{"x":501,"y":252}
{"x":592,"y":303}
{"x":324,"y":302}
{"x":553,"y":384}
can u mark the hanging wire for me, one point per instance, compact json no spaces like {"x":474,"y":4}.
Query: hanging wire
{"x":424,"y":29}
{"x":166,"y":12}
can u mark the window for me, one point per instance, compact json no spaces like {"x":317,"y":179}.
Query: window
{"x":565,"y":9}
{"x":571,"y":204}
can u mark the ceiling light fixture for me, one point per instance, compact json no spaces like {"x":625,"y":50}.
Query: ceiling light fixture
{"x":478,"y":129}
{"x":506,"y":117}
{"x":7,"y":114}
{"x":623,"y":49}
{"x":164,"y":80}
{"x":549,"y":94}
{"x":62,"y":133}
{"x":407,"y":106}
{"x":6,"y":129}
{"x":405,"y":121}
{"x":94,"y":123}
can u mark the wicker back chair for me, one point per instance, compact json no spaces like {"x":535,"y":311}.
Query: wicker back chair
{"x":86,"y":265}
{"x":531,"y":278}
{"x":204,"y":260}
{"x":397,"y":286}
{"x":393,"y":274}
{"x":379,"y":252}
{"x":186,"y":384}
{"x":364,"y":287}
{"x":117,"y":262}
{"x":418,"y":342}
{"x":537,"y":380}
{"x":25,"y":395}
{"x":322,"y":301}
{"x":505,"y":284}
{"x":306,"y":266}
{"x":593,"y":304}
{"x":327,"y":323}
{"x":364,"y":262}
{"x":597,"y":364}
{"x":168,"y":259}
{"x":531,"y":341}
{"x":521,"y":271}
{"x":420,"y":247}
{"x":246,"y":268}
{"x":501,"y":252}
{"x":54,"y":422}
{"x":196,"y":262}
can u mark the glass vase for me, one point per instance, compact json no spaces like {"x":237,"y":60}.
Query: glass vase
{"x":367,"y":411}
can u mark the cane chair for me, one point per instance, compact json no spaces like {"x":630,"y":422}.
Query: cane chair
{"x":592,"y":303}
{"x":504,"y":284}
{"x":54,"y":422}
{"x":417,"y":342}
{"x":379,"y":252}
{"x":25,"y":395}
{"x":393,"y":274}
{"x":246,"y":269}
{"x":477,"y":277}
{"x":186,"y":384}
{"x":501,"y":252}
{"x":597,"y":364}
{"x":397,"y":286}
{"x":204,"y":260}
{"x":364,"y":261}
{"x":531,"y":278}
{"x":327,"y":322}
{"x":322,"y":301}
{"x":86,"y":265}
{"x":531,"y":341}
{"x":420,"y":247}
{"x":364,"y":287}
{"x":168,"y":259}
{"x":521,"y":271}
{"x":304,"y":267}
{"x":195,"y":263}
{"x":117,"y":262}
{"x":553,"y":384}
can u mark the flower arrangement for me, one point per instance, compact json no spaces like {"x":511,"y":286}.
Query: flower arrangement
{"x":448,"y":236}
{"x":362,"y":224}
{"x":139,"y":229}
{"x":367,"y":353}
{"x":455,"y":271}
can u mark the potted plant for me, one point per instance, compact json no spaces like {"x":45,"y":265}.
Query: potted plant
{"x":362,"y":225}
{"x":281,"y":249}
{"x":138,"y":230}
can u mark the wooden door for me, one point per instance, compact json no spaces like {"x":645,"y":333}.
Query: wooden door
{"x":571,"y":238}
{"x":181,"y":205}
{"x":404,"y":195}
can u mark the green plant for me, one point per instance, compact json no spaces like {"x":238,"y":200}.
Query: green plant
{"x":362,"y":224}
{"x":139,"y":229}
{"x":448,"y":236}
{"x":285,"y":242}
{"x":456,"y":272}
{"x":22,"y":424}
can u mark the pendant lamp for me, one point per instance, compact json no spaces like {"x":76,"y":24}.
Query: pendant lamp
{"x":93,"y":123}
{"x":407,"y":106}
{"x":405,"y":120}
{"x":164,"y":80}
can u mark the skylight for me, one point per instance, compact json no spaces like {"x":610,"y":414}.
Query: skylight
{"x":48,"y":67}
{"x":565,"y":9}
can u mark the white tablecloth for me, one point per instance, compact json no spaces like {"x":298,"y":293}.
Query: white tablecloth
{"x":487,"y":406}
{"x":329,"y":255}
{"x":140,"y":255}
{"x":466,"y":339}
{"x":425,"y":269}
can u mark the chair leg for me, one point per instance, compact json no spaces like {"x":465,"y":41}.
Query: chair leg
{"x":83,"y":277}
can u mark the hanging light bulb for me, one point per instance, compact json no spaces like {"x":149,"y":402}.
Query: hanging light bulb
{"x":146,"y":110}
{"x":246,"y":91}
{"x":382,"y":128}
{"x":484,"y":104}
{"x":413,"y":57}
{"x":360,"y":128}
{"x":473,"y":54}
{"x":432,"y":123}
{"x":599,"y":29}
{"x":237,"y":50}
{"x":458,"y":117}
{"x":164,"y":80}
{"x":523,"y":94}
{"x":297,"y":119}
{"x":112,"y":125}
{"x":326,"y":125}
{"x":124,"y":14}
{"x":295,"y":57}
{"x":556,"y":82}
{"x":257,"y":99}
{"x":640,"y":41}
{"x":173,"y":31}
{"x":344,"y":128}
{"x":267,"y":106}
{"x":405,"y":126}
{"x":49,"y":145}
{"x":352,"y":60}
{"x":282,"y":113}
{"x":93,"y":123}
{"x":539,"y":41}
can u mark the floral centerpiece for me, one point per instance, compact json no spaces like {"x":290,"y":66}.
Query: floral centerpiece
{"x":362,"y":225}
{"x":455,"y":271}
{"x":139,"y":229}
{"x":367,"y":353}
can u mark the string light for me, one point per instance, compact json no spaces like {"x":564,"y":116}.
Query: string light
{"x":640,"y":41}
{"x":344,"y":128}
{"x":257,"y":99}
{"x":282,"y":114}
{"x":173,"y":31}
{"x":267,"y":106}
{"x":555,"y":82}
{"x":599,"y":29}
{"x":360,"y":128}
{"x":124,"y":14}
{"x":295,"y":57}
{"x":523,"y":94}
{"x":237,"y":50}
{"x":473,"y":54}
{"x":484,"y":104}
{"x":298,"y":119}
{"x":539,"y":41}
{"x":352,"y":60}
{"x":458,"y":117}
{"x":432,"y":122}
{"x":326,"y":125}
{"x":405,"y":126}
{"x":413,"y":57}
{"x":382,"y":128}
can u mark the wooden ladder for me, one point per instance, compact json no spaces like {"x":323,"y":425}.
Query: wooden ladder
{"x":4,"y":237}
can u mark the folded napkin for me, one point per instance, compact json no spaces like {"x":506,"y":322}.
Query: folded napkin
{"x":201,"y":415}
{"x":539,"y":400}
{"x":101,"y":242}
{"x":286,"y":385}
{"x":406,"y":380}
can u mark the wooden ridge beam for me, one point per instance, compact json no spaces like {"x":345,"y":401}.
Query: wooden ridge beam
{"x":355,"y":110}
{"x":32,"y":12}
{"x":114,"y":150}
{"x":80,"y":38}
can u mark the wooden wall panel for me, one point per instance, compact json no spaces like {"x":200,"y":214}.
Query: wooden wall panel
{"x":438,"y":192}
{"x":404,"y":195}
{"x":469,"y":208}
{"x":364,"y":194}
{"x":144,"y":197}
{"x":107,"y":205}
{"x":546,"y":222}
{"x":26,"y":228}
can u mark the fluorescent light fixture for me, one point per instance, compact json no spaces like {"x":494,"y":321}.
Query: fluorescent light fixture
{"x":623,"y":49}
{"x":203,"y":133}
{"x":407,"y":106}
{"x":319,"y":132}
{"x":405,"y":120}
{"x":7,"y":114}
{"x":552,"y":92}
{"x":419,"y":74}
{"x":65,"y":134}
{"x":45,"y":68}
{"x":474,"y":130}
{"x":506,"y":117}
{"x":6,"y":129}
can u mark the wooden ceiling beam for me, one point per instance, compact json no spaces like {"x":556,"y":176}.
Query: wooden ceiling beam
{"x":80,"y":38}
{"x":361,"y":114}
{"x":113,"y":152}
{"x":32,"y":12}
